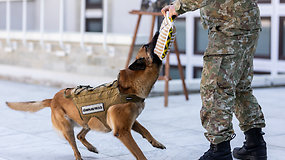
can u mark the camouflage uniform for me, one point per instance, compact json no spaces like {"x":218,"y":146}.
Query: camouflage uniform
{"x":225,"y":88}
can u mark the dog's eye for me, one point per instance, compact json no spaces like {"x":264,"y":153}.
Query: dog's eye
{"x":146,"y":46}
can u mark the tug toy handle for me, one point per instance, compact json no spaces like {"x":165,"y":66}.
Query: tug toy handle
{"x":170,"y":19}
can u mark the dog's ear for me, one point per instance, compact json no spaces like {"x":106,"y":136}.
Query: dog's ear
{"x":139,"y":64}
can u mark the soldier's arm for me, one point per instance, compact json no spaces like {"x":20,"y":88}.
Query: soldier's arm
{"x":182,"y":6}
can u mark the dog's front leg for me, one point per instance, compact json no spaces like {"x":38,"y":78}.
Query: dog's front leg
{"x":145,"y":133}
{"x":121,"y":118}
{"x":127,"y":139}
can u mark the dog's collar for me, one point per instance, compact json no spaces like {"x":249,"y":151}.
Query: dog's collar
{"x":132,"y":98}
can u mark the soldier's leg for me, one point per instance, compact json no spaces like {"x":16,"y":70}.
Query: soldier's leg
{"x":221,"y":72}
{"x":249,"y":113}
{"x":218,"y":98}
{"x":247,"y":109}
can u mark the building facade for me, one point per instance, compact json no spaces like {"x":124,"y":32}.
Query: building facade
{"x":108,"y":22}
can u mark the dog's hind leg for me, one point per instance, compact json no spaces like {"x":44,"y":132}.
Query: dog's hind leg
{"x":65,"y":126}
{"x":81,"y":136}
{"x":145,"y":133}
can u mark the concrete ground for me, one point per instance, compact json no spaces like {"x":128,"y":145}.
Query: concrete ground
{"x":30,"y":136}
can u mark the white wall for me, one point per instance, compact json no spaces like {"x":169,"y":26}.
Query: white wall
{"x":123,"y":22}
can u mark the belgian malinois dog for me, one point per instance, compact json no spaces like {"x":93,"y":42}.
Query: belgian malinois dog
{"x":137,"y":80}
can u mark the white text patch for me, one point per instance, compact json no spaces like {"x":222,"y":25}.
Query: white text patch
{"x":99,"y":107}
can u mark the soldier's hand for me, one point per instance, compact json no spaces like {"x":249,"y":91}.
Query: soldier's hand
{"x":170,"y":9}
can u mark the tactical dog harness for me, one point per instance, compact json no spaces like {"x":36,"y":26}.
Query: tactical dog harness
{"x":95,"y":102}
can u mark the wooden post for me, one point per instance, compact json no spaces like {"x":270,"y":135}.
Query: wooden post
{"x":180,"y":69}
{"x":152,"y":27}
{"x":166,"y":78}
{"x":133,"y":42}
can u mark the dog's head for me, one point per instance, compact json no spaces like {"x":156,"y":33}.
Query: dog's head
{"x":140,"y":76}
{"x":146,"y":56}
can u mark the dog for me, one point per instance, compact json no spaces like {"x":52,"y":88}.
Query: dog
{"x":137,"y":80}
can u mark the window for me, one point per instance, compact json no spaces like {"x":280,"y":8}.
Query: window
{"x":197,"y":72}
{"x":173,"y":71}
{"x":180,"y":35}
{"x":263,"y":46}
{"x":94,"y":25}
{"x":200,"y":36}
{"x":94,"y":16}
{"x":282,"y":38}
{"x":94,"y":3}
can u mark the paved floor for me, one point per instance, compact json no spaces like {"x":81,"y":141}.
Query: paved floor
{"x":30,"y":136}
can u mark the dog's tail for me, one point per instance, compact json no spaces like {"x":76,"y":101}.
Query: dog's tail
{"x":32,"y":106}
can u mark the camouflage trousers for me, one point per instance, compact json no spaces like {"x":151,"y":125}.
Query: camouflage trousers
{"x":226,"y":85}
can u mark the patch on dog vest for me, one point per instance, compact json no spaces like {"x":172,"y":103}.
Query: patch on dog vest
{"x":93,"y":108}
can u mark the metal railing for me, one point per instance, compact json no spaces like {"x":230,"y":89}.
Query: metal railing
{"x":42,"y":15}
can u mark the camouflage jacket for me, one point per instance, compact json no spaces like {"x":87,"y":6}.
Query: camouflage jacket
{"x":227,"y":15}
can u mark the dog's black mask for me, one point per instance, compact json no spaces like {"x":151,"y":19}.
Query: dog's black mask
{"x":139,"y":64}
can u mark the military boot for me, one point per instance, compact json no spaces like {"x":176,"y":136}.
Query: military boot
{"x":221,"y":151}
{"x":254,"y":147}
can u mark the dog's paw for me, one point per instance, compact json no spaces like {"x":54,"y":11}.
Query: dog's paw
{"x":158,"y":145}
{"x":93,"y":149}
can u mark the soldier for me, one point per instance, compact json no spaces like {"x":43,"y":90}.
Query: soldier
{"x":233,"y":26}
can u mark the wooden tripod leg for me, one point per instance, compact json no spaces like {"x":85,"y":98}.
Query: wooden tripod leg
{"x":180,"y":70}
{"x":152,"y":27}
{"x":133,"y":42}
{"x":166,"y":78}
